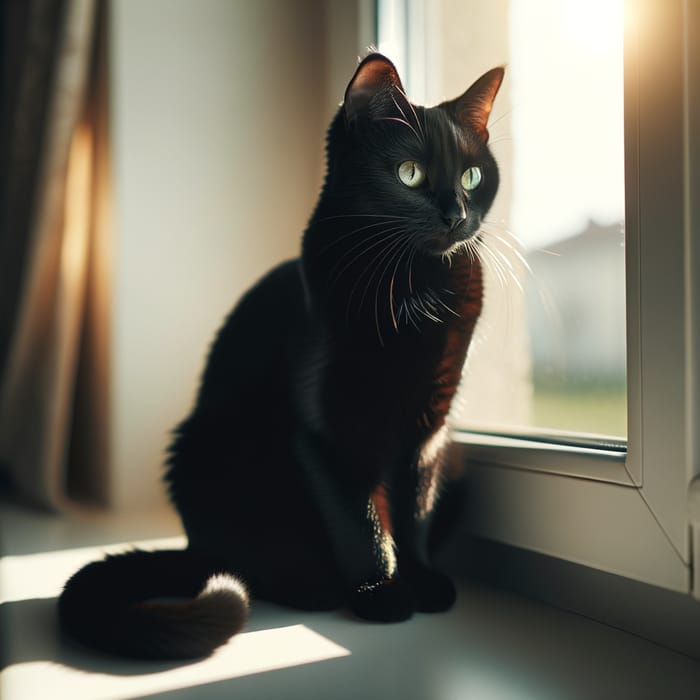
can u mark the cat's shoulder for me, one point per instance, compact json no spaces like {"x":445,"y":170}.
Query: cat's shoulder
{"x":271,"y":304}
{"x":282,"y":284}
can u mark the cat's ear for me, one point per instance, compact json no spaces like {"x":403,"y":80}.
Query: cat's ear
{"x":371,"y":86}
{"x":473,"y":108}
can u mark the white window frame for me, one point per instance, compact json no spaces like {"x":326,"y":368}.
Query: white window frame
{"x":625,"y":511}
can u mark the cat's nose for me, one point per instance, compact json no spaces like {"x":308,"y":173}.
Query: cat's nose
{"x":453,"y":222}
{"x":453,"y":214}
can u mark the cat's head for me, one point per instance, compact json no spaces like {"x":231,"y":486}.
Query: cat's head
{"x":429,"y":168}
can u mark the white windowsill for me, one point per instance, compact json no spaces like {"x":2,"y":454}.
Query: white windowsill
{"x":493,"y":644}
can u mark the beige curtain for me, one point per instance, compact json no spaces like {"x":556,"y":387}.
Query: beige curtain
{"x":54,"y":253}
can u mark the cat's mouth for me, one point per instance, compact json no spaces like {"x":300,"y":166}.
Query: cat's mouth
{"x":450,"y":242}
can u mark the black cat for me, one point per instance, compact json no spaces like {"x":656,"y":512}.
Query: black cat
{"x":309,"y":466}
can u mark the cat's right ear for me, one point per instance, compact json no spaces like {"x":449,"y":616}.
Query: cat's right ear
{"x":370,"y":87}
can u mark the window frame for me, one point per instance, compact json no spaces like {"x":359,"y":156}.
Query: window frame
{"x":624,"y":512}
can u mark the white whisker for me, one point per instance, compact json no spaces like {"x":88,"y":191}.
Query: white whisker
{"x":375,"y":216}
{"x":390,"y":243}
{"x":391,"y":232}
{"x":410,"y":106}
{"x":376,"y":264}
{"x":406,"y":248}
{"x":339,"y":239}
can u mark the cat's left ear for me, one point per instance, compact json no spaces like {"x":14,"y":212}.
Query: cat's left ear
{"x":473,"y":108}
{"x":371,"y":86}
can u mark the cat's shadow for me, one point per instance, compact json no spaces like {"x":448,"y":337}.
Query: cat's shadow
{"x":29,"y":633}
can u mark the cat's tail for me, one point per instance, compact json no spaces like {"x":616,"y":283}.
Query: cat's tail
{"x":155,"y":605}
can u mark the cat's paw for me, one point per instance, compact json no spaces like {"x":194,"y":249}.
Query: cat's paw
{"x":432,"y":591}
{"x":386,"y":601}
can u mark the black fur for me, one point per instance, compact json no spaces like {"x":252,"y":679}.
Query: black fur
{"x":113,"y":605}
{"x":311,"y":461}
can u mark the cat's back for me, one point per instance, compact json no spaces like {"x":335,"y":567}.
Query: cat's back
{"x":222,"y":455}
{"x":252,"y":345}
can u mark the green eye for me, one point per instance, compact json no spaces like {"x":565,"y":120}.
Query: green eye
{"x":471,"y":178}
{"x":411,"y":173}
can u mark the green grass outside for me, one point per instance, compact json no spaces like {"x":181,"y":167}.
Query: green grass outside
{"x":596,"y":410}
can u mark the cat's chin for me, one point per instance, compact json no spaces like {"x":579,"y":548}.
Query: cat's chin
{"x":446,"y":248}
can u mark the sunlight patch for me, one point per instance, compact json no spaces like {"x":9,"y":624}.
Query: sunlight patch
{"x":245,"y":654}
{"x":42,"y":575}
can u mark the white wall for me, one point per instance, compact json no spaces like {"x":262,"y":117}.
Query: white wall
{"x":217,"y":121}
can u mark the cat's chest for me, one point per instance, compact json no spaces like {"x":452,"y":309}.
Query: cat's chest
{"x":396,"y":382}
{"x":392,"y":371}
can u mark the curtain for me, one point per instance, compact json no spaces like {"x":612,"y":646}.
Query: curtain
{"x":53,"y":250}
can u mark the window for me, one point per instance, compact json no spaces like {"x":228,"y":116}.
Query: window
{"x":554,"y":318}
{"x":615,"y":505}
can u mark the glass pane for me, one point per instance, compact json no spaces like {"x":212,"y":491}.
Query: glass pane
{"x":555,"y":317}
{"x":568,"y":208}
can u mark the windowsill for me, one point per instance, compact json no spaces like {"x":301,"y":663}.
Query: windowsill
{"x":583,"y":458}
{"x":493,"y":644}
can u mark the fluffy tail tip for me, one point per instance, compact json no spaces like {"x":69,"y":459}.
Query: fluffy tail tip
{"x":225,"y":598}
{"x":198,"y":627}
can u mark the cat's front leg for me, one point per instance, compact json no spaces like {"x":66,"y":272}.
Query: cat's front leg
{"x":382,"y":597}
{"x":363,"y":550}
{"x":431,"y":590}
{"x":415,"y":494}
